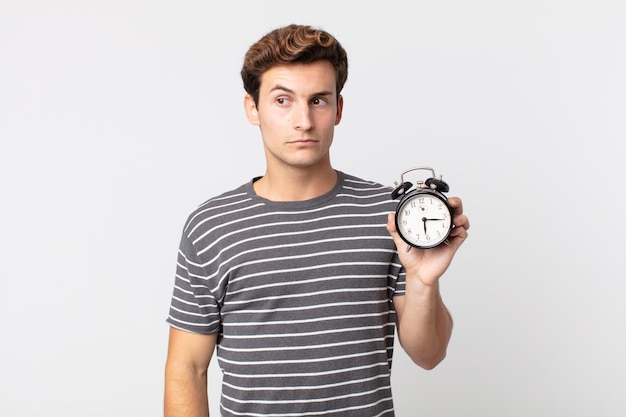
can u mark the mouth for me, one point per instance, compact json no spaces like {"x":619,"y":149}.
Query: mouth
{"x":302,"y":141}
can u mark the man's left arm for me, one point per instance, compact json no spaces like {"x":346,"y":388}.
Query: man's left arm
{"x":423,"y":321}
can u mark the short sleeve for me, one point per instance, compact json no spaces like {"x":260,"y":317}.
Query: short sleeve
{"x":396,"y":277}
{"x":193,"y":306}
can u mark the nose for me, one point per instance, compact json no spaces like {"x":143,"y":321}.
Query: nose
{"x":302,"y":119}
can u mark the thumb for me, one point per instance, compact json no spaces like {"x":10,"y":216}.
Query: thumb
{"x":392,"y":229}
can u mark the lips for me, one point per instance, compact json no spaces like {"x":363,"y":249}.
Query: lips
{"x":302,"y":141}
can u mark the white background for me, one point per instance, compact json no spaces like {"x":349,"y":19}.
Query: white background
{"x":117,"y":118}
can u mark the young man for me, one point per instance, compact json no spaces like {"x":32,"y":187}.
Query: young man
{"x":295,"y":276}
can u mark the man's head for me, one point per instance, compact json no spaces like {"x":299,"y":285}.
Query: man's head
{"x":291,"y":45}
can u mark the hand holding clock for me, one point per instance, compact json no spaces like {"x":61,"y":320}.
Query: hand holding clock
{"x":430,"y":264}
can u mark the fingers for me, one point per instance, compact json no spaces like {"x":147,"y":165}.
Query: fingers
{"x":460,"y":220}
{"x":459,"y":231}
{"x":461,"y":225}
{"x":456,"y":203}
{"x":458,"y":234}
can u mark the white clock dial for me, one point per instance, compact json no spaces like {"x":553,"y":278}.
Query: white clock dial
{"x":424,"y":220}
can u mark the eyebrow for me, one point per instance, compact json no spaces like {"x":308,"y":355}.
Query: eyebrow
{"x":288,"y":90}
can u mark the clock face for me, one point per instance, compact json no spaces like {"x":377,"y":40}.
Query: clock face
{"x":424,"y":219}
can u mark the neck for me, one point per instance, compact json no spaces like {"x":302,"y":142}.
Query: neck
{"x":296,"y":185}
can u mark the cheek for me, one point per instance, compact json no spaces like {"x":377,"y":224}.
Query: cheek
{"x":275,"y":119}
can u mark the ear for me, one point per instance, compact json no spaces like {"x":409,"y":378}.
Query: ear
{"x":339,"y":110}
{"x":251,"y":112}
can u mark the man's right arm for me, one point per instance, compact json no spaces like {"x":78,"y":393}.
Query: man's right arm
{"x":186,"y":368}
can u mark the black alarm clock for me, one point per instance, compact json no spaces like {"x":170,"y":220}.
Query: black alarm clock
{"x":424,"y":218}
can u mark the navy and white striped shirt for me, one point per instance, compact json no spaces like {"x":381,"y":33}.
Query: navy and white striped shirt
{"x":301,"y":296}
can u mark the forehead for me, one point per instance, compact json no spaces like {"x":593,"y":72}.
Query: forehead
{"x":299,"y":77}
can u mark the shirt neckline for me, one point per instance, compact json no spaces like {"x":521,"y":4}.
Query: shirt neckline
{"x":295,"y":205}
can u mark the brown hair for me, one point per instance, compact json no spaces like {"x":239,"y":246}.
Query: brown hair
{"x":288,"y":45}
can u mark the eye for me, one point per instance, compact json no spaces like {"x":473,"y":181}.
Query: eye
{"x":282,"y":101}
{"x":319,"y":101}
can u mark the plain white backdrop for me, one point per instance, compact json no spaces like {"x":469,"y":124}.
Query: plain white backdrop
{"x":117,"y":118}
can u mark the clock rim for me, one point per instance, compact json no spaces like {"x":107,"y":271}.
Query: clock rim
{"x":405,"y":199}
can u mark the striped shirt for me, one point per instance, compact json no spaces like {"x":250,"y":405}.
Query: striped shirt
{"x":301,"y":296}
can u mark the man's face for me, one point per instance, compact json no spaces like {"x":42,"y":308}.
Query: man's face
{"x":297,"y":113}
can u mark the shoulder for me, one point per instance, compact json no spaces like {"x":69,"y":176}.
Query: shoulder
{"x":359,"y":183}
{"x":212,"y":210}
{"x":357,"y":186}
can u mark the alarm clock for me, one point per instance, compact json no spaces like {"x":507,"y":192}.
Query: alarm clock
{"x":424,"y":219}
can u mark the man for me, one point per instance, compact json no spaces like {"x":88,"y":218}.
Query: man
{"x":294,"y":277}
